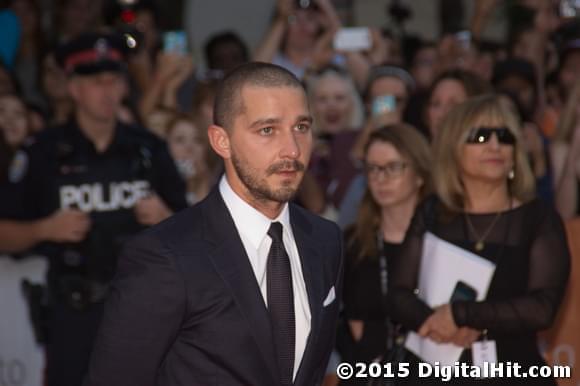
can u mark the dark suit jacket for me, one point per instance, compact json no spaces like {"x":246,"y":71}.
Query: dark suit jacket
{"x":185,"y":307}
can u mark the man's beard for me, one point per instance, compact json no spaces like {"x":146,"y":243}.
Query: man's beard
{"x":258,"y":187}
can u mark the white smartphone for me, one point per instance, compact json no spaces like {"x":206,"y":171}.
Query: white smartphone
{"x":352,"y":39}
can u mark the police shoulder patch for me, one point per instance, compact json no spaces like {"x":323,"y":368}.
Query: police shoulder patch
{"x":18,"y":167}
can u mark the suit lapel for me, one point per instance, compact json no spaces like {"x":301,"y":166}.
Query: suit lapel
{"x":232,"y":263}
{"x":313,"y":278}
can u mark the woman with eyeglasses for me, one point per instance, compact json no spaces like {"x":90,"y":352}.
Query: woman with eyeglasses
{"x":397,"y":166}
{"x":485,"y":204}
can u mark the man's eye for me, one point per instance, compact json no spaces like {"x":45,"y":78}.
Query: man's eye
{"x":302,"y":127}
{"x":266,"y":130}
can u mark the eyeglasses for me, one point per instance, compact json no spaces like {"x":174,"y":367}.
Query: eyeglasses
{"x":391,"y":169}
{"x":483,"y":135}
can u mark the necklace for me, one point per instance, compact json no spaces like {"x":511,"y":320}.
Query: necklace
{"x":480,"y":243}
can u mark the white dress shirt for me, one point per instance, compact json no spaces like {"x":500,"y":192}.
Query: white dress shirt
{"x":253,"y":229}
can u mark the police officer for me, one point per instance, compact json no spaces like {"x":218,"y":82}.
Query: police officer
{"x":110,"y":180}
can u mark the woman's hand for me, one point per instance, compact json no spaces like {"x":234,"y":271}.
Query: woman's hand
{"x":329,"y":17}
{"x":323,"y":52}
{"x":185,"y":68}
{"x":379,"y":52}
{"x":384,"y":119}
{"x":440,"y":326}
{"x":173,"y":68}
{"x":465,"y":337}
{"x":284,"y":9}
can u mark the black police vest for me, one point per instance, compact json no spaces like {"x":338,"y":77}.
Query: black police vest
{"x":107,"y":187}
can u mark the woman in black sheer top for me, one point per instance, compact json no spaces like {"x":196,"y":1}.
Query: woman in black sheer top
{"x":484,"y":203}
{"x":397,"y":166}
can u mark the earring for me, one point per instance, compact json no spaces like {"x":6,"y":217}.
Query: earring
{"x":511,"y":175}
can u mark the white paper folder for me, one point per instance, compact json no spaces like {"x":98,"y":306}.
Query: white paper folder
{"x":443,"y":265}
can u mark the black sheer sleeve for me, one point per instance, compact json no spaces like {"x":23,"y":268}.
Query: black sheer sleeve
{"x":549,"y":266}
{"x":403,"y":304}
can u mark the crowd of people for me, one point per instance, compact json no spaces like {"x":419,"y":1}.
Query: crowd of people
{"x":104,"y":133}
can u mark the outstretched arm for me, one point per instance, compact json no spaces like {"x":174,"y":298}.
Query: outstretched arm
{"x":273,"y":39}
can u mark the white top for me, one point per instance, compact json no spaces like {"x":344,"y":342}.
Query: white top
{"x":253,"y":227}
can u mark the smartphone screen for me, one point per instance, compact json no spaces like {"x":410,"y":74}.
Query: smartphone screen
{"x":175,"y":42}
{"x":352,"y":39}
{"x":464,"y":39}
{"x":383,"y":104}
{"x":462,"y":292}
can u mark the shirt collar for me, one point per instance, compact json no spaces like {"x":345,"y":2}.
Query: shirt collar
{"x":250,"y":222}
{"x":81,"y":141}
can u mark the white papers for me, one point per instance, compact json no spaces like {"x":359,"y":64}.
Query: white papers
{"x":442,"y":266}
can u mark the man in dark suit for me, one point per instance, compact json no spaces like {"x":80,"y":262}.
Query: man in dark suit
{"x":243,"y":288}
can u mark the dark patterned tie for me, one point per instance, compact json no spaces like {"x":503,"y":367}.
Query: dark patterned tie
{"x":281,"y":303}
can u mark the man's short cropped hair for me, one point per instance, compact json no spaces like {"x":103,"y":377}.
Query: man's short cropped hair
{"x":228,"y":102}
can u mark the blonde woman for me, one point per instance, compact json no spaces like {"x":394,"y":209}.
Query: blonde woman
{"x":335,"y":102}
{"x":565,"y":152}
{"x":485,"y":203}
{"x":338,"y":116}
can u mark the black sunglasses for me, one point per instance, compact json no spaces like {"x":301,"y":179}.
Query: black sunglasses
{"x":483,"y":135}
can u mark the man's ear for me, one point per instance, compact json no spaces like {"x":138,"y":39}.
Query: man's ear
{"x":219,"y":140}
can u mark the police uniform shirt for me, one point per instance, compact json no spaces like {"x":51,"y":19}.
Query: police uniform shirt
{"x":10,"y":201}
{"x":61,"y":169}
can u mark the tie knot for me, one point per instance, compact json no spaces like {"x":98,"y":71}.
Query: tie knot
{"x":275,"y":231}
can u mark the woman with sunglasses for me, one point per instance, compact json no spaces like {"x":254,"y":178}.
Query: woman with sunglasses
{"x":485,"y":204}
{"x":397,"y":163}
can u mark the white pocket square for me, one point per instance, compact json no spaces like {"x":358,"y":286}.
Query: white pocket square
{"x":329,"y":298}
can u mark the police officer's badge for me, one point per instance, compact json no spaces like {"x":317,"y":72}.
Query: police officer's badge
{"x":102,"y":48}
{"x":18,"y":167}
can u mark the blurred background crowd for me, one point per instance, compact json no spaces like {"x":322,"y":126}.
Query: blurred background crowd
{"x":357,"y":83}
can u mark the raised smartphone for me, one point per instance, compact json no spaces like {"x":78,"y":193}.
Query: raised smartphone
{"x":352,"y":39}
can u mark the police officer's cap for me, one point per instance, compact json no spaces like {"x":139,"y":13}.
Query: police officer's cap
{"x":93,"y":53}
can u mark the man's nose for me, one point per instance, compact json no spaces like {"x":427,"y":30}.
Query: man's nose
{"x":290,"y":148}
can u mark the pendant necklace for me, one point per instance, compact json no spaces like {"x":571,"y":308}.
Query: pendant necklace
{"x":480,"y":241}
